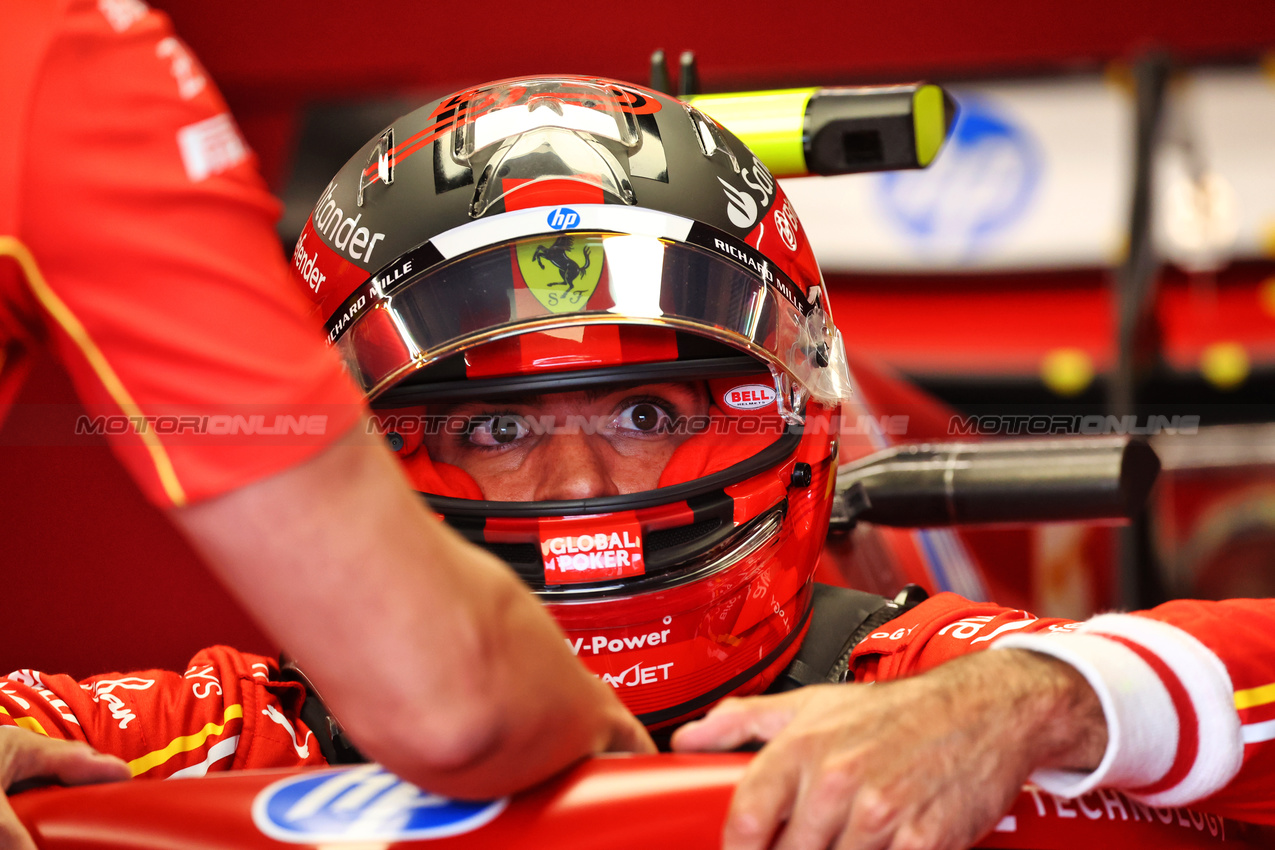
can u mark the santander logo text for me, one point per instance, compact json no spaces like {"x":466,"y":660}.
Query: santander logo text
{"x":307,"y":264}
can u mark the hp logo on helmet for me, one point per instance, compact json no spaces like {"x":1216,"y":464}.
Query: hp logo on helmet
{"x":563,"y":217}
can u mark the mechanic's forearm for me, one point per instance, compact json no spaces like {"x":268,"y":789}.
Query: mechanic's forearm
{"x":441,"y":665}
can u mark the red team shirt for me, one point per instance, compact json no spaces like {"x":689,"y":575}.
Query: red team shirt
{"x":137,"y":242}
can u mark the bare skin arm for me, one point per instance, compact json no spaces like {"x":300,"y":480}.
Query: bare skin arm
{"x":436,"y":658}
{"x":926,"y":763}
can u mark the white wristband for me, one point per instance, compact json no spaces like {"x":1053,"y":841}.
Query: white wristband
{"x":1142,"y":724}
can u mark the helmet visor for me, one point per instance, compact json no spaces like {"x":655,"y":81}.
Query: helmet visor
{"x":564,"y":283}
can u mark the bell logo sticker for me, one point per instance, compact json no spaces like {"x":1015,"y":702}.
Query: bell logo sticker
{"x":749,"y":397}
{"x":367,"y":804}
{"x":562,"y":272}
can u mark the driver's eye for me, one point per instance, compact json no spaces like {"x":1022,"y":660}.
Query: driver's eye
{"x":646,"y":416}
{"x":496,"y":430}
{"x":504,"y":430}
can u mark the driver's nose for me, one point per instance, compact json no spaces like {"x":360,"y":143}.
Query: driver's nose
{"x":573,"y":466}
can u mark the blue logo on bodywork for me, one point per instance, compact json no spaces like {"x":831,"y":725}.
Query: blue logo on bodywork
{"x":980,"y":186}
{"x":365,"y":803}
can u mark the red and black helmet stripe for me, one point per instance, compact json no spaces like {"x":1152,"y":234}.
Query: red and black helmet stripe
{"x":768,"y":458}
{"x":674,"y":535}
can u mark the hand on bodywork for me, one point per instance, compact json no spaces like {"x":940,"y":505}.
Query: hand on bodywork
{"x":26,"y":755}
{"x":932,"y":761}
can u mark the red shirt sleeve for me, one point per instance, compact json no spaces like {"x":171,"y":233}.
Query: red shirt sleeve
{"x":1240,"y":633}
{"x":153,"y":265}
{"x":941,"y":628}
{"x":223,"y":713}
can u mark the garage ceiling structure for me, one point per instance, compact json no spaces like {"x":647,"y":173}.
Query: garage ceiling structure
{"x":271,"y":59}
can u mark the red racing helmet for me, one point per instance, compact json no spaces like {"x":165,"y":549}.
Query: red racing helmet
{"x":592,"y":327}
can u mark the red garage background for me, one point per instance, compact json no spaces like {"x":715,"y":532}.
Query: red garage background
{"x":96,"y":579}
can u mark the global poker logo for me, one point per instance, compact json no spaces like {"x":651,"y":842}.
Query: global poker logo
{"x":560,"y":218}
{"x":577,"y":550}
{"x":589,"y":557}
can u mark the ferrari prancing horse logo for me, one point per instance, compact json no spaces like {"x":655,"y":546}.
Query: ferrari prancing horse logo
{"x":563,"y":272}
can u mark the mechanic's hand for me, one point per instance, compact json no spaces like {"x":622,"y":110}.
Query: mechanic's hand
{"x":28,"y":755}
{"x":628,"y":735}
{"x":927,"y":762}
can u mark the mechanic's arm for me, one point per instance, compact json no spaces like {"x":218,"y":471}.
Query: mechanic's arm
{"x":435,"y":657}
{"x":27,"y":755}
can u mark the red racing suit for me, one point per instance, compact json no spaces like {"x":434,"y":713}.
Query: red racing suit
{"x":225,"y":712}
{"x":137,"y":242}
{"x":1188,"y":689}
